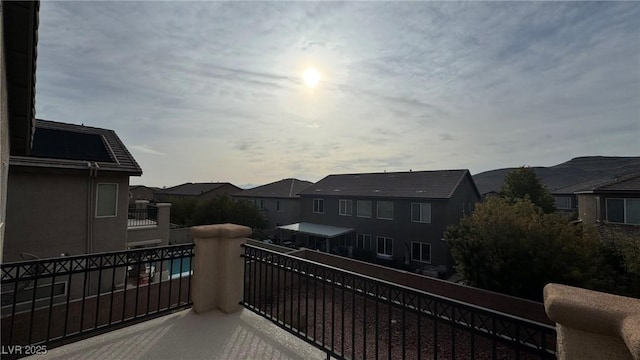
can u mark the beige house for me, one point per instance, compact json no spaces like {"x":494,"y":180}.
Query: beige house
{"x":74,"y":184}
{"x":199,"y":191}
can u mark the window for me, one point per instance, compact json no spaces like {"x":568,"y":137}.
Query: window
{"x":261,"y":205}
{"x":385,"y":246}
{"x":563,"y":202}
{"x":364,"y":208}
{"x":107,"y":200}
{"x":345,"y":208}
{"x":278,"y":208}
{"x":421,"y":252}
{"x":385,"y":210}
{"x":421,"y":212}
{"x":363,"y":241}
{"x":625,"y":211}
{"x":318,"y":206}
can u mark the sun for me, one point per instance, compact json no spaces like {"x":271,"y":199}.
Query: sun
{"x":311,"y":77}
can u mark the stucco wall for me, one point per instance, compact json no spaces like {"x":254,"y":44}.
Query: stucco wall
{"x":48,"y":213}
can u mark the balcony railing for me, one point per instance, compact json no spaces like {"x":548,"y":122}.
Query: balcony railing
{"x":142,"y":216}
{"x":352,"y":316}
{"x":51,"y":301}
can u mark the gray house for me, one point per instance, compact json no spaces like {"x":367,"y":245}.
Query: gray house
{"x":278,"y":201}
{"x":75,"y":184}
{"x":614,"y":203}
{"x":197,"y":191}
{"x":393,"y":218}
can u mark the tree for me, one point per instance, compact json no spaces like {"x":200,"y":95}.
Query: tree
{"x":522,"y":183}
{"x":182,"y":211}
{"x":511,"y":246}
{"x":223,"y":209}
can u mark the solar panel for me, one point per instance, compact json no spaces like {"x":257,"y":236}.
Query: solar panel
{"x":69,"y":145}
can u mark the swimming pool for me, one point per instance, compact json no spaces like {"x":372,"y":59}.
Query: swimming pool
{"x":177,"y":270}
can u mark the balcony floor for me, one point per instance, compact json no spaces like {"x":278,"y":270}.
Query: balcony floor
{"x":186,"y":335}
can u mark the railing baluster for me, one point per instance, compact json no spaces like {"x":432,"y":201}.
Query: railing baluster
{"x":160,"y":282}
{"x":180,"y":280}
{"x":98,"y":294}
{"x":53,"y":285}
{"x":33,"y":306}
{"x":113,"y":285}
{"x":86,"y":273}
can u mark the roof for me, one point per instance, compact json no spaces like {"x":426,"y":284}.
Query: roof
{"x":285,"y":188}
{"x":629,"y":183}
{"x":317,"y":229}
{"x":194,"y":189}
{"x":439,"y":184}
{"x":582,"y":186}
{"x":71,"y":146}
{"x":20,"y":35}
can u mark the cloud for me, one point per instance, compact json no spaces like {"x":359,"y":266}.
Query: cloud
{"x":146,"y":149}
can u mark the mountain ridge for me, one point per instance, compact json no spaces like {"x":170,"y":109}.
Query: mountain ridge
{"x":588,"y":170}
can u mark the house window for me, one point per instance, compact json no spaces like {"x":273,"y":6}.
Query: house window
{"x":563,"y":202}
{"x":624,"y":211}
{"x":364,"y":208}
{"x":385,"y":246}
{"x":318,"y":206}
{"x":363,"y":241}
{"x":107,"y":200}
{"x":278,"y":205}
{"x":385,"y":210}
{"x":421,"y":252}
{"x":345,"y":207}
{"x":421,"y":212}
{"x":261,"y":205}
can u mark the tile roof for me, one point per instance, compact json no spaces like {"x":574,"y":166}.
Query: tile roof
{"x":72,"y":146}
{"x":285,"y":188}
{"x":439,"y":184}
{"x":193,"y":189}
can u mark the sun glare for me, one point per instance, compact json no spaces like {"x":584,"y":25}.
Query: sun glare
{"x":311,"y":77}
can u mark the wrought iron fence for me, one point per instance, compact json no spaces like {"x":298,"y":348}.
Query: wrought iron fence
{"x":353,"y":316}
{"x":142,"y":217}
{"x":50,"y":301}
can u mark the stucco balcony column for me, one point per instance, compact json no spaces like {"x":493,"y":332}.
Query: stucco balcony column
{"x":218,"y":269}
{"x":141,"y":205}
{"x":592,"y":324}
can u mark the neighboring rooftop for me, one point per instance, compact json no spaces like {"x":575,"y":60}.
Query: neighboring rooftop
{"x":629,"y":183}
{"x":285,"y":188}
{"x":439,"y":184}
{"x":194,"y":189}
{"x":63,"y":145}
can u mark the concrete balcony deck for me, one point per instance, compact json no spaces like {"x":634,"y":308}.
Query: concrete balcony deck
{"x":186,"y":335}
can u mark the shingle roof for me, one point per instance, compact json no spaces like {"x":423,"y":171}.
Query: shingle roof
{"x":285,"y":188}
{"x":583,"y":186}
{"x":438,"y":184}
{"x":193,"y":189}
{"x":629,"y":183}
{"x":62,"y":145}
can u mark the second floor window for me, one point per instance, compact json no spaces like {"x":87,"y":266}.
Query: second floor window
{"x":563,"y":202}
{"x":385,"y":210}
{"x":624,"y":211}
{"x":107,"y":200}
{"x":261,"y":204}
{"x":385,"y":246}
{"x":421,"y":212}
{"x":318,"y":206}
{"x":364,"y":208}
{"x":278,"y":208}
{"x":345,"y":208}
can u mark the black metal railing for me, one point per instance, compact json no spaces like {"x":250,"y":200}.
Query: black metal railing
{"x":142,"y":217}
{"x":353,"y":316}
{"x":50,"y":301}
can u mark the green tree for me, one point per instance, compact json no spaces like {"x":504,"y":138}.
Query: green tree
{"x":522,"y":183}
{"x":511,"y":246}
{"x":182,"y":211}
{"x":223,"y":209}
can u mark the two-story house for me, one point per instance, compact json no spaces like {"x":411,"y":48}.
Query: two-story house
{"x":399,"y":217}
{"x":616,"y":202}
{"x":75,"y":184}
{"x":278,"y":201}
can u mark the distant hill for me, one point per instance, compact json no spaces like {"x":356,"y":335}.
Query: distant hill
{"x":588,"y":170}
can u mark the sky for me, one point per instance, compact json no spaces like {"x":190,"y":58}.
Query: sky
{"x":213,"y":91}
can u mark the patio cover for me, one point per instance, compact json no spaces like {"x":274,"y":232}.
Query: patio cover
{"x":326,"y":231}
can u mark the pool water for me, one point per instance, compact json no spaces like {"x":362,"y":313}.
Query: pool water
{"x":185,"y":269}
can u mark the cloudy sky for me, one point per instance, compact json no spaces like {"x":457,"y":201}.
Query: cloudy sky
{"x":212,"y":91}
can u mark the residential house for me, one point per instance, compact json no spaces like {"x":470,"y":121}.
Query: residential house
{"x":74,"y":183}
{"x":615,"y":203}
{"x":141,"y":192}
{"x":199,"y":191}
{"x":398,"y":217}
{"x":278,"y":201}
